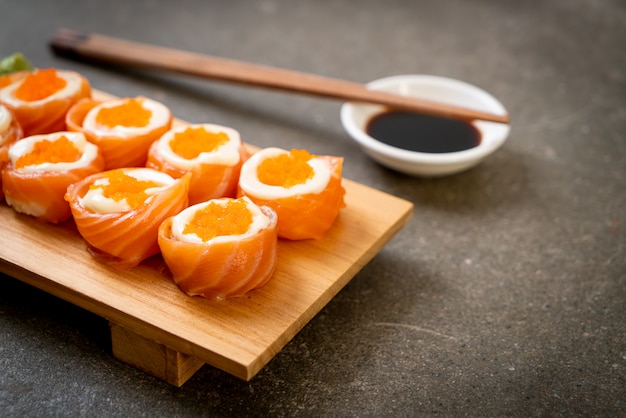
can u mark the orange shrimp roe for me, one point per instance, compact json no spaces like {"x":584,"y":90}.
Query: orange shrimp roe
{"x":286,"y":170}
{"x":61,"y":150}
{"x":214,"y":220}
{"x":39,"y":85}
{"x":130,"y":113}
{"x":122,"y":186}
{"x":194,"y":140}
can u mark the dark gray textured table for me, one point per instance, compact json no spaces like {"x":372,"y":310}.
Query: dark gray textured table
{"x":504,"y":296}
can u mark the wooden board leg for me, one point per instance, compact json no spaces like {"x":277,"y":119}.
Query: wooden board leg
{"x":151,"y":357}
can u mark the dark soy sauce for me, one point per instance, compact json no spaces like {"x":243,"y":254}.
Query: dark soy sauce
{"x":423,"y":133}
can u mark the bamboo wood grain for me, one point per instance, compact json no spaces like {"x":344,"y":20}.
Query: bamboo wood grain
{"x":103,"y":48}
{"x":238,"y":336}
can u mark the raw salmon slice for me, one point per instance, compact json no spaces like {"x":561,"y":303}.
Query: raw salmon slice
{"x":123,"y":128}
{"x":118,"y":212}
{"x":305,"y":190}
{"x":40,"y":169}
{"x":10,"y":131}
{"x":213,"y":154}
{"x":222,"y":248}
{"x":41,"y":99}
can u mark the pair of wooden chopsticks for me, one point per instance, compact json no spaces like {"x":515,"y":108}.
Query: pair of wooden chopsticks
{"x":113,"y":50}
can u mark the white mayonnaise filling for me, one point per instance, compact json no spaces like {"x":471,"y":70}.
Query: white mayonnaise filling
{"x":259,"y":222}
{"x":250,"y":184}
{"x":73,"y":80}
{"x":95,"y":200}
{"x":5,"y":121}
{"x":226,"y":154}
{"x":160,"y":117}
{"x":24,"y":146}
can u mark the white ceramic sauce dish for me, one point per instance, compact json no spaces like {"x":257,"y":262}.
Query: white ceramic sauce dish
{"x":356,"y":116}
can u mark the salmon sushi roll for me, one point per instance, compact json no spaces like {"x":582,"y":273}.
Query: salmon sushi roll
{"x":123,"y":128}
{"x":305,"y":190}
{"x":118,"y":212}
{"x":40,"y":169}
{"x":41,"y":99}
{"x":221,"y":248}
{"x":213,"y":154}
{"x":10,"y":131}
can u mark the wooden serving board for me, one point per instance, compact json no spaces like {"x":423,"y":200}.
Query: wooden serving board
{"x":157,"y":328}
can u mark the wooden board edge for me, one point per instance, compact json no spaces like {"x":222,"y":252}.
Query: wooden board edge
{"x":256,"y":366}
